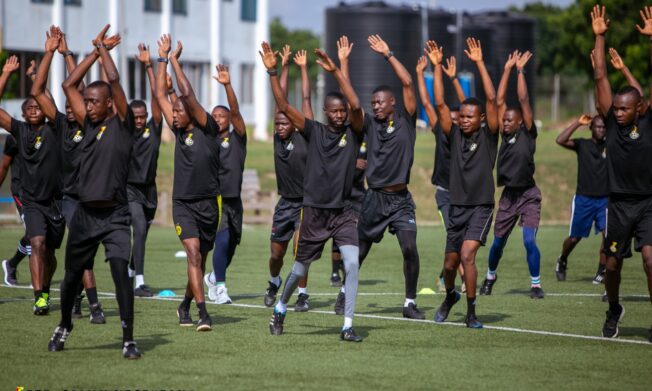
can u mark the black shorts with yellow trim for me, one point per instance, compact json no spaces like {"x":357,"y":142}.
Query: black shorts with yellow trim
{"x":197,"y":219}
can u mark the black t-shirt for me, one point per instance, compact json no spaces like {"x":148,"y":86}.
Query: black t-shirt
{"x":592,"y":179}
{"x":197,"y":162}
{"x":104,"y":159}
{"x":233,"y":151}
{"x":442,"y":168}
{"x":71,"y":137}
{"x":390,"y":147}
{"x":11,"y":149}
{"x":290,"y":164}
{"x":40,"y":160}
{"x":472,"y":162}
{"x":358,"y":190}
{"x":629,"y":155}
{"x":144,"y":154}
{"x":330,"y":166}
{"x":516,"y":158}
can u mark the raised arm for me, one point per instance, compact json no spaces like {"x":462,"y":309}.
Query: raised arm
{"x":436,"y":55}
{"x":268,"y":57}
{"x":48,"y":107}
{"x":285,"y":67}
{"x":344,"y":49}
{"x":104,"y":44}
{"x":301,"y":59}
{"x":162,"y":88}
{"x":224,"y":79}
{"x":502,"y":86}
{"x":646,"y":15}
{"x":604,"y":94}
{"x":564,"y":138}
{"x":409,"y":98}
{"x":144,"y":58}
{"x":474,"y":52}
{"x":521,"y":88}
{"x":187,"y":94}
{"x":357,"y":115}
{"x":618,"y":64}
{"x":11,"y":65}
{"x":67,"y":56}
{"x":451,"y":71}
{"x":74,"y":96}
{"x":423,"y":91}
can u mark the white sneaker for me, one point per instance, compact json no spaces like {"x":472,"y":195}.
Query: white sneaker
{"x":222,"y":296}
{"x":212,"y":288}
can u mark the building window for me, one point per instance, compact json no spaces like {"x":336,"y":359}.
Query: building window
{"x":247,"y":83}
{"x":19,"y":85}
{"x":138,"y":84}
{"x":153,"y":6}
{"x":66,"y":2}
{"x":248,"y":11}
{"x":180,"y":7}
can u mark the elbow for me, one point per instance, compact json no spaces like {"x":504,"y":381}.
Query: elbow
{"x":113,"y":77}
{"x":523,"y":99}
{"x":407,"y":82}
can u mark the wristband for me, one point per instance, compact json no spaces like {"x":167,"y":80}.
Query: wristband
{"x":520,"y":71}
{"x":67,"y":53}
{"x":100,"y":45}
{"x":389,"y":55}
{"x":272,"y":72}
{"x":171,"y":91}
{"x":162,"y":59}
{"x":148,"y":65}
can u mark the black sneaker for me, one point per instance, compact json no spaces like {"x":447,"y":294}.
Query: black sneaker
{"x":10,"y":273}
{"x":487,"y":286}
{"x":205,"y":323}
{"x":184,"y":316}
{"x":599,"y":277}
{"x":270,"y":293}
{"x":76,"y":307}
{"x":97,"y":315}
{"x":276,"y":323}
{"x":339,"y":303}
{"x":143,"y":291}
{"x":560,"y":269}
{"x":336,"y":280}
{"x":536,"y":293}
{"x":472,"y":322}
{"x":58,"y":339}
{"x":444,"y":308}
{"x":302,"y":303}
{"x":610,"y":328}
{"x":130,"y":351}
{"x":349,"y":335}
{"x":412,"y":312}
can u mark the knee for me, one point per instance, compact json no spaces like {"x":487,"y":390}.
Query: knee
{"x":467,"y":258}
{"x":194,"y":257}
{"x":38,"y":244}
{"x":410,"y":252}
{"x":613,"y":265}
{"x":276,"y":257}
{"x":573,"y":240}
{"x":530,"y":243}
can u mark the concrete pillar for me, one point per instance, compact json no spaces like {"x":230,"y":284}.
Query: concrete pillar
{"x":261,"y":82}
{"x":57,"y":68}
{"x":215,"y":21}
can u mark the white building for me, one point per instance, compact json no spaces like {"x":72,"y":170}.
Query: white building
{"x":212,"y":32}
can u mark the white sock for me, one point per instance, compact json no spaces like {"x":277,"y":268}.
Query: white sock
{"x":219,"y":284}
{"x":131,"y":272}
{"x":303,"y":290}
{"x":342,"y":289}
{"x":491,"y":275}
{"x":275,"y":280}
{"x":140,"y":280}
{"x":348,"y":322}
{"x":280,"y":307}
{"x":408,"y":301}
{"x":211,"y":278}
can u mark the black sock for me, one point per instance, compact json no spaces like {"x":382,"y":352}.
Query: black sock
{"x":91,"y":294}
{"x":450,"y":296}
{"x":614,"y":307}
{"x":470,"y":306}
{"x":127,"y":332}
{"x":46,"y":289}
{"x":601,"y":268}
{"x":563,"y":258}
{"x":37,"y":295}
{"x":202,"y":309}
{"x":185,"y":303}
{"x":337,"y":265}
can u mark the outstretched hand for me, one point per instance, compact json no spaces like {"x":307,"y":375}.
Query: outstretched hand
{"x":324,"y":61}
{"x":646,"y":15}
{"x":63,"y":45}
{"x":584,"y":119}
{"x":474,"y":52}
{"x":511,"y":60}
{"x":143,"y":54}
{"x":434,"y":52}
{"x":99,"y":39}
{"x":344,"y":48}
{"x":616,"y":60}
{"x":176,"y":54}
{"x":11,"y":65}
{"x":378,"y":45}
{"x":599,"y":24}
{"x":451,"y":67}
{"x":285,"y":55}
{"x":223,"y":76}
{"x":31,"y":70}
{"x":164,"y":45}
{"x":422,"y":63}
{"x":52,"y":39}
{"x":522,"y":60}
{"x":268,"y":56}
{"x":301,"y":58}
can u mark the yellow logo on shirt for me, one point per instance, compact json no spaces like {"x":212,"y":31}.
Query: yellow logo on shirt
{"x":178,"y":229}
{"x":100,"y":133}
{"x":343,"y":141}
{"x":38,"y":142}
{"x":634,"y":135}
{"x":363,"y":147}
{"x":225,"y":143}
{"x":290,"y":146}
{"x":78,"y":136}
{"x":189,"y":141}
{"x":473,"y":147}
{"x":390,"y":127}
{"x":604,"y":153}
{"x":146,"y":133}
{"x":614,"y":247}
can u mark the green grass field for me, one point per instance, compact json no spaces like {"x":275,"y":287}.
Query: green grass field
{"x":526,"y":344}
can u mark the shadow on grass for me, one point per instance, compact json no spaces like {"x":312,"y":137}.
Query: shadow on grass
{"x":361,"y":331}
{"x":635,"y":299}
{"x":145,"y":343}
{"x":634,"y":332}
{"x":371,"y":282}
{"x":220,"y":319}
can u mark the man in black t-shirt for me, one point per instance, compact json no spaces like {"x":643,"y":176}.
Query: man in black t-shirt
{"x":473,"y":153}
{"x":521,"y":198}
{"x":589,"y":206}
{"x":629,"y":158}
{"x":196,"y":188}
{"x":103,"y":214}
{"x":233,"y":150}
{"x":330,"y":169}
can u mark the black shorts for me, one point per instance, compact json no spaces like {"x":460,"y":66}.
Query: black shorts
{"x":144,"y":195}
{"x":286,"y":220}
{"x":91,"y":226}
{"x":68,"y":207}
{"x":44,"y":219}
{"x":468,"y":223}
{"x":628,"y":217}
{"x":197,"y":219}
{"x":318,"y":225}
{"x":231,"y":218}
{"x":381,"y":209}
{"x":19,"y":207}
{"x":443,"y":201}
{"x":515,"y":205}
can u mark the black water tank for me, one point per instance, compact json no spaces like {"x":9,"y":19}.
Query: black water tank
{"x":400,"y":27}
{"x":439,"y":29}
{"x":483,"y":33}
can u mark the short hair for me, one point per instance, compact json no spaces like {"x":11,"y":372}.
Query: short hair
{"x":334,"y":95}
{"x":383,"y":88}
{"x":454,"y":108}
{"x":515,"y":109}
{"x":629,"y":90}
{"x":99,"y":84}
{"x":23,"y":106}
{"x":138,"y":104}
{"x":474,"y":102}
{"x":221,"y":107}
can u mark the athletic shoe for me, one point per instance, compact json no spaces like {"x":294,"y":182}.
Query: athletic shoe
{"x":205,"y":323}
{"x":184,"y":316}
{"x":441,"y":284}
{"x":599,"y":277}
{"x":412,"y":312}
{"x":560,"y":269}
{"x":58,"y":339}
{"x":143,"y":291}
{"x":41,"y":306}
{"x":487,"y":286}
{"x":336,"y":280}
{"x":339,"y":303}
{"x":270,"y":293}
{"x":444,"y":309}
{"x":302,"y":303}
{"x":10,"y":273}
{"x":212,"y":288}
{"x":536,"y":293}
{"x":276,"y":323}
{"x":349,"y":335}
{"x":130,"y":351}
{"x":97,"y":315}
{"x":222,"y":295}
{"x":610,"y":328}
{"x":472,"y":322}
{"x":76,"y":307}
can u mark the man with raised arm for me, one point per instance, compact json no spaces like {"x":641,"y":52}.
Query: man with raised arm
{"x":196,"y":190}
{"x":330,"y":169}
{"x":473,"y":154}
{"x":103,"y":212}
{"x":629,"y":158}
